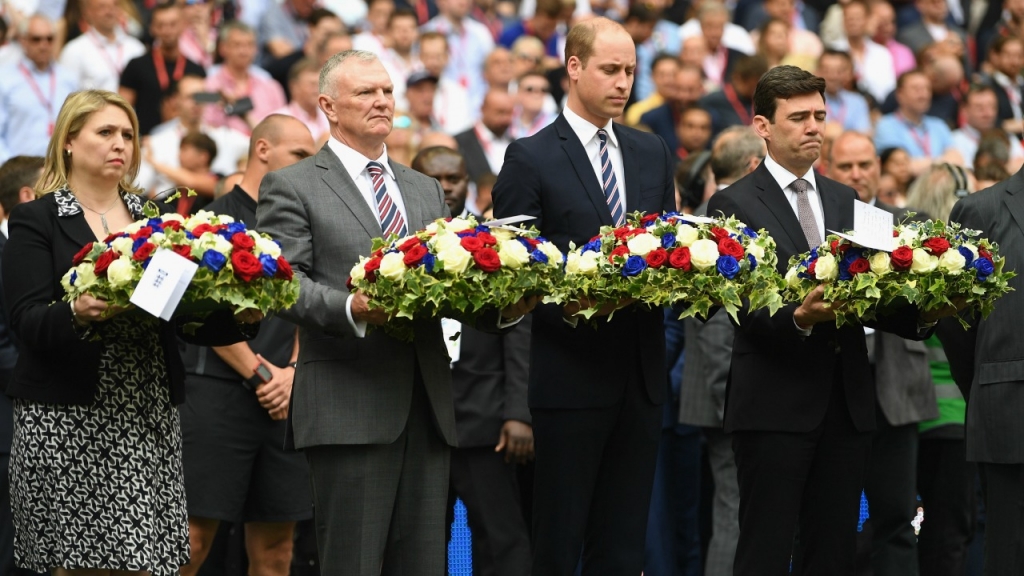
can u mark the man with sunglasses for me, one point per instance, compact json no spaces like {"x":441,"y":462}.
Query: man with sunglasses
{"x":32,"y":91}
{"x":532,"y":97}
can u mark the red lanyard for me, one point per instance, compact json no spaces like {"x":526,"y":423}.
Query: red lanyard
{"x":923,"y":142}
{"x":161,"y":68}
{"x":100,"y":45}
{"x":741,"y":110}
{"x":47,"y":103}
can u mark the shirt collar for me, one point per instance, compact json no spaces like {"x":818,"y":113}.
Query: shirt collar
{"x":586,"y":131}
{"x":354,"y":162}
{"x":785,"y":177}
{"x":1004,"y":80}
{"x":67,"y":203}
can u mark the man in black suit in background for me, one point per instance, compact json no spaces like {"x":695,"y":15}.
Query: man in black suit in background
{"x":483,"y":146}
{"x":595,"y":390}
{"x":800,"y":399}
{"x":490,"y":373}
{"x":733,"y":104}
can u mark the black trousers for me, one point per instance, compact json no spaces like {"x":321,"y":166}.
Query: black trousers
{"x":592,"y":485}
{"x":945,"y":481}
{"x":1004,"y":518}
{"x":489,"y":488}
{"x":810,"y":480}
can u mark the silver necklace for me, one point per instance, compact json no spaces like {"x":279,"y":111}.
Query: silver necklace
{"x":102,"y":215}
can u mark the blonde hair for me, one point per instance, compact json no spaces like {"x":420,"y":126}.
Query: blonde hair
{"x":933,"y":192}
{"x":73,"y":115}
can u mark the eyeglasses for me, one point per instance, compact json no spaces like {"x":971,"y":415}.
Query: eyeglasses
{"x":534,"y":59}
{"x":535,"y":89}
{"x":38,"y":39}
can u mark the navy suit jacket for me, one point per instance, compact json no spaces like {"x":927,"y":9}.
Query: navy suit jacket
{"x":662,"y":121}
{"x":550,"y":177}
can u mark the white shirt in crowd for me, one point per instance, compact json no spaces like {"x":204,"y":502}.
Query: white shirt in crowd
{"x":876,"y":73}
{"x":97,"y":62}
{"x":165,"y":141}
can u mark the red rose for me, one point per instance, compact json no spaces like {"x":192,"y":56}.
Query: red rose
{"x":104,"y":261}
{"x":984,"y":253}
{"x":144,"y":251}
{"x":656,"y":258}
{"x":472,"y":243}
{"x":649,"y":218}
{"x":203,"y":229}
{"x":859,"y":266}
{"x":680,"y":258}
{"x":81,"y":255}
{"x":902,"y":258}
{"x":172,"y":225}
{"x":246,"y":265}
{"x":414,"y":255}
{"x":487,"y":238}
{"x":533,"y":242}
{"x":242,"y":241}
{"x":730,"y":247}
{"x":622,"y":234}
{"x":487,"y":260}
{"x":719,"y":233}
{"x":937,"y":246}
{"x":595,"y":238}
{"x":811,"y":267}
{"x":408,"y":244}
{"x":372,"y":265}
{"x":284,"y":269}
{"x":895,"y":234}
{"x":378,"y":253}
{"x":144,"y":232}
{"x":618,"y":251}
{"x":838,"y":247}
{"x":349,"y":285}
{"x":182,"y":250}
{"x":112,"y":237}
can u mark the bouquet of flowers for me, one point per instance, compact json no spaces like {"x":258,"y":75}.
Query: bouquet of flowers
{"x":932,"y":263}
{"x":237,"y":267}
{"x":663,"y":259}
{"x":455,"y":266}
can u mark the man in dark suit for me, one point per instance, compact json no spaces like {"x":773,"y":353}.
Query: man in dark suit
{"x":905,"y":394}
{"x":732,"y":105}
{"x":373,"y":413}
{"x":483,"y":146}
{"x":800,"y":400}
{"x":490,"y":373}
{"x":1006,"y":56}
{"x":595,"y":390}
{"x":986,"y":364}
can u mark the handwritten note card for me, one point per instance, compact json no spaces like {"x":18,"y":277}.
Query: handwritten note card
{"x":872,"y":227}
{"x":163,"y":283}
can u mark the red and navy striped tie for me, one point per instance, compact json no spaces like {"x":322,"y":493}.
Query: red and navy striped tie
{"x":391,"y":220}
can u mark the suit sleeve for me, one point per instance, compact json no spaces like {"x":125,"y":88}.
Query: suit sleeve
{"x":516,"y":348}
{"x":282,"y":214}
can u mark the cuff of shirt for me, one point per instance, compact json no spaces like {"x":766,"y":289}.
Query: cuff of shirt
{"x":502,"y":323}
{"x":803,"y":332}
{"x":358,"y":327}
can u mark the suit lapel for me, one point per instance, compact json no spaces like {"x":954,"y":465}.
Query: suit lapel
{"x":338,"y":180}
{"x":77,"y":229}
{"x":631,"y":169}
{"x":775,"y":200}
{"x":1014,"y":199}
{"x":584,"y":169}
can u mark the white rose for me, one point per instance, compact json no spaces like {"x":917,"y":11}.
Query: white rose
{"x":201,"y":217}
{"x":173,"y":216}
{"x":923,"y":262}
{"x":826,"y":268}
{"x":457,"y":225}
{"x":358,"y":273}
{"x":446,"y":241}
{"x":588,"y":263}
{"x":880,"y":263}
{"x":86,"y":276}
{"x":431,"y":228}
{"x":268,"y":247}
{"x":686,"y":235}
{"x":120,"y":272}
{"x":134,"y":227}
{"x":642,"y":244}
{"x":392,"y":266}
{"x":572,"y":263}
{"x":455,"y":258}
{"x":122,"y":245}
{"x":157,"y":238}
{"x":907,"y":236}
{"x":513,"y":254}
{"x":704,"y":254}
{"x":216,"y":242}
{"x":756,"y":251}
{"x":552,"y":252}
{"x":502,"y":234}
{"x":792,"y":278}
{"x":225,"y":219}
{"x":952,"y":262}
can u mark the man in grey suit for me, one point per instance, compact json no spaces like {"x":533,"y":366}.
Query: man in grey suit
{"x":737,"y":151}
{"x":374,"y":414}
{"x":905,"y":394}
{"x":986,"y":363}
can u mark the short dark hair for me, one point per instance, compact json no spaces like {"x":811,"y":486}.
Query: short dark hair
{"x":164,"y":6}
{"x":750,"y":67}
{"x":16,"y":173}
{"x":319,"y":14}
{"x":200,"y":142}
{"x":902,"y":78}
{"x":641,"y":13}
{"x":836,"y":54}
{"x":428,"y":36}
{"x":784,"y":82}
{"x":976,"y":88}
{"x":1000,"y":41}
{"x":403,"y":13}
{"x":662,"y":57}
{"x":549,"y":8}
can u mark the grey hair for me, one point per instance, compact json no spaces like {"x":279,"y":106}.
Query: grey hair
{"x":22,"y":28}
{"x":709,"y":7}
{"x":234,"y":26}
{"x":329,"y":73}
{"x":732,"y":151}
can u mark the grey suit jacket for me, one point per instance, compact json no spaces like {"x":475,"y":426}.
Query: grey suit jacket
{"x":350,"y":390}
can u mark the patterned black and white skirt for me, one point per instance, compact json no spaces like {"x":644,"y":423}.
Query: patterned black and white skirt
{"x":100,"y":486}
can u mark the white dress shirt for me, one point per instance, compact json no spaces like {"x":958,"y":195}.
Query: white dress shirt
{"x":587,"y":133}
{"x":494,"y":146}
{"x":165,"y":142}
{"x":97,"y":62}
{"x":785,"y":179}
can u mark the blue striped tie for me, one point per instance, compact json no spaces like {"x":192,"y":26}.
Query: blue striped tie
{"x":391,"y":220}
{"x":610,"y":183}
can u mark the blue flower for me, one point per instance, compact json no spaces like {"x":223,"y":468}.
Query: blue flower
{"x":668,"y":240}
{"x":464,"y":233}
{"x":145,"y":263}
{"x":967,"y":254}
{"x":155,"y":223}
{"x":138,"y":242}
{"x":814,"y":253}
{"x":428,"y":262}
{"x":269,"y":265}
{"x":592,"y":246}
{"x":74,"y":276}
{"x":728,"y":266}
{"x":236,"y":227}
{"x":523,"y":241}
{"x":541,"y":239}
{"x":753,"y":262}
{"x":984,"y":268}
{"x":538,"y":256}
{"x":483,"y":228}
{"x":852,"y":254}
{"x":214,"y":260}
{"x":634,"y":265}
{"x":190,"y":235}
{"x":749,"y":232}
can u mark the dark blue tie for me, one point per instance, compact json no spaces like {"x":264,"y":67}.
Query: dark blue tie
{"x":610,"y":183}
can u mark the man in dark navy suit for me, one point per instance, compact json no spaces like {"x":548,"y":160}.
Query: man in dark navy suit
{"x":595,"y":391}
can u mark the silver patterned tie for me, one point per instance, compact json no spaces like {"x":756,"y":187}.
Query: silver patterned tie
{"x":803,"y":211}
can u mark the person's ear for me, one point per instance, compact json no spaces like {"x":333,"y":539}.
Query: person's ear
{"x":26,"y":194}
{"x":762,"y":126}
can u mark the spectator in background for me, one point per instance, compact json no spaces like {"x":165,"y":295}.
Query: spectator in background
{"x":499,"y":73}
{"x":32,"y":92}
{"x":843,"y":106}
{"x":421,"y":94}
{"x":283,"y":29}
{"x":322,"y":22}
{"x":1010,"y":24}
{"x":238,"y":79}
{"x":527,"y":55}
{"x":469,"y":43}
{"x":988,"y":174}
{"x":775,"y":43}
{"x":97,"y":57}
{"x":199,"y":40}
{"x":732,"y":105}
{"x":529,"y":115}
{"x":664,"y":120}
{"x":483,"y":146}
{"x":803,"y":41}
{"x":1006,"y":57}
{"x":693,"y":131}
{"x":720,"y":59}
{"x":374,"y":37}
{"x":993,"y":152}
{"x":802,"y":17}
{"x":404,"y":140}
{"x":933,"y":28}
{"x":543,"y":25}
{"x":304,"y":86}
{"x":882,"y":23}
{"x":333,"y":43}
{"x":980,"y":115}
{"x":927,"y":139}
{"x":733,"y":36}
{"x":451,"y":100}
{"x":896,"y":176}
{"x":192,"y":172}
{"x":946,"y":76}
{"x":147,"y":79}
{"x":400,"y":58}
{"x":639,"y":23}
{"x":872,"y":63}
{"x":663,"y":75}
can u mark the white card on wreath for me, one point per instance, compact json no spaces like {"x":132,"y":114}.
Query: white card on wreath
{"x":163,"y":283}
{"x":872,"y":227}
